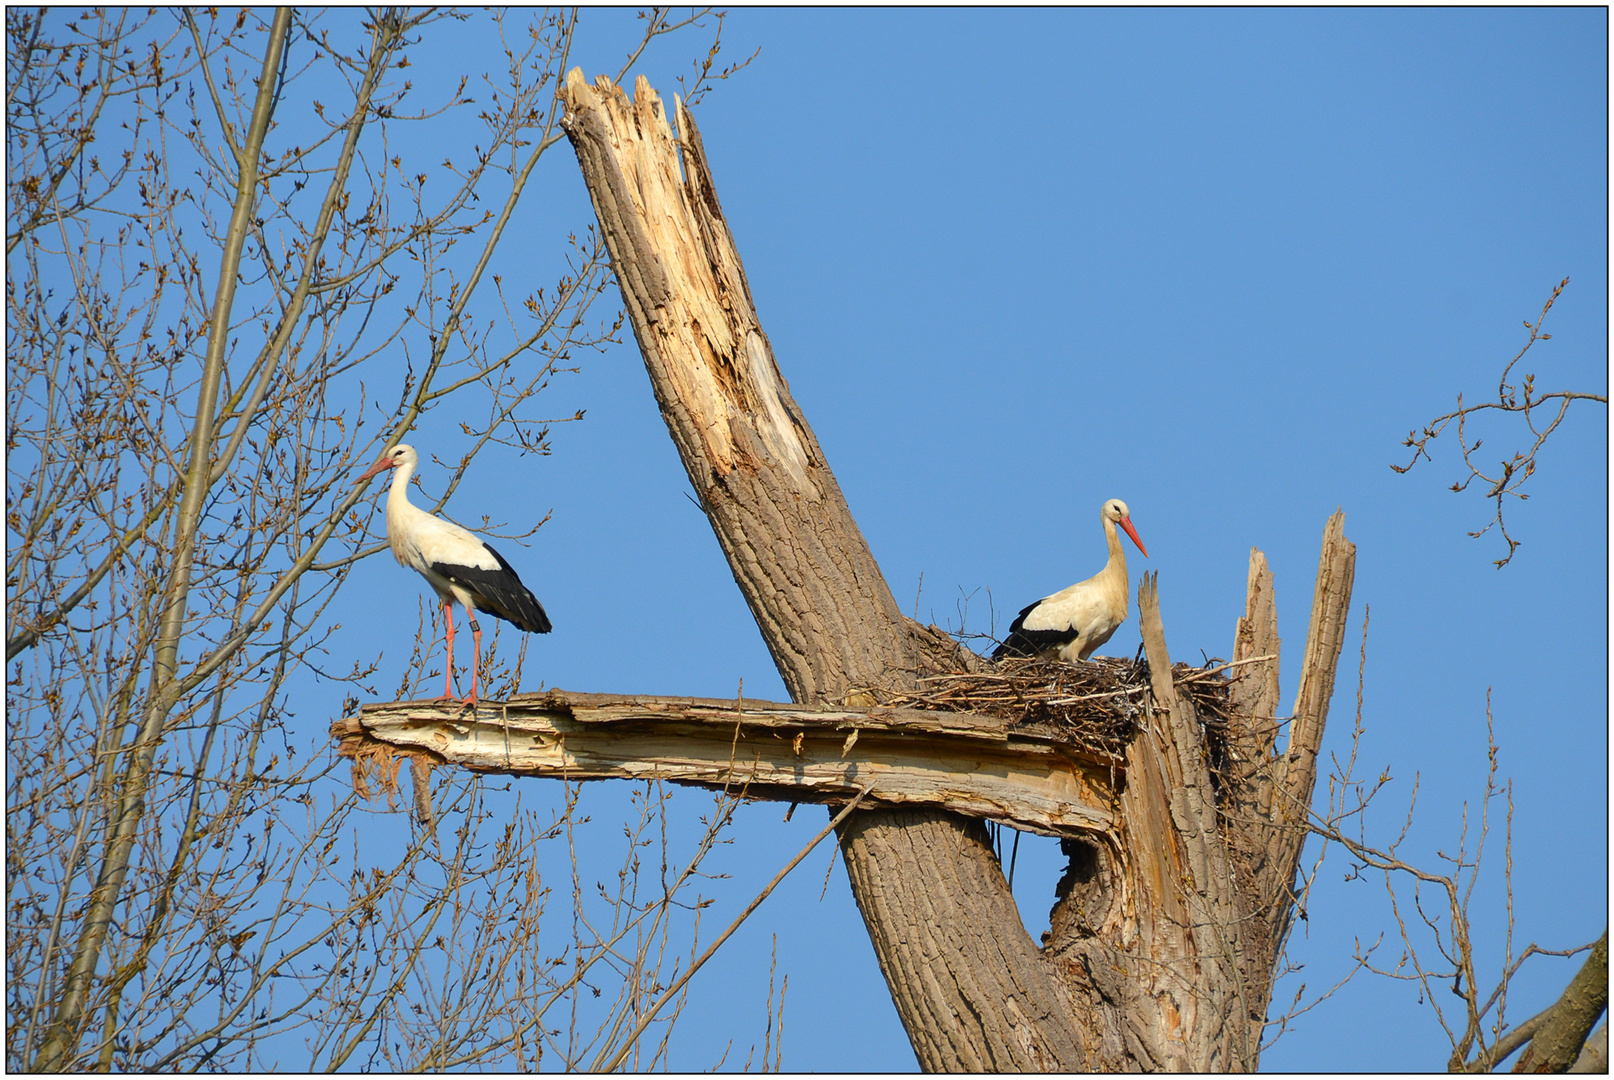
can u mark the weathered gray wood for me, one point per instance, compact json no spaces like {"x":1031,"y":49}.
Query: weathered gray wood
{"x":1593,"y":1056}
{"x":973,"y":765}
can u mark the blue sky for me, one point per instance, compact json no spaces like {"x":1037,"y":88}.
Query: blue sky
{"x":1215,"y":263}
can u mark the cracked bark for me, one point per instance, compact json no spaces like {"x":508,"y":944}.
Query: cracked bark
{"x":1160,"y":952}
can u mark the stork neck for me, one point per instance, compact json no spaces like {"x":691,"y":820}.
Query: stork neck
{"x":398,"y":504}
{"x":1117,"y":563}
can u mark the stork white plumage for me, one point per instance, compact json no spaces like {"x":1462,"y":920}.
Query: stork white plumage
{"x":456,"y":563}
{"x":1073,"y":622}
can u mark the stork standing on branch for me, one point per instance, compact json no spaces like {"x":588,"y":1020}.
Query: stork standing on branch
{"x":455,"y":563}
{"x":1073,"y":622}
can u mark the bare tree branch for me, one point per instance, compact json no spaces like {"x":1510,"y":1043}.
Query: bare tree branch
{"x":108,"y":891}
{"x":220,"y":258}
{"x":1512,"y":472}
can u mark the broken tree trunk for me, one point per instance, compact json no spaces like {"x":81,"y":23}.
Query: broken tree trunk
{"x":1161,"y":951}
{"x":804,"y":568}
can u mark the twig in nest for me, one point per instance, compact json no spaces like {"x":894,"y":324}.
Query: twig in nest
{"x":1090,"y":704}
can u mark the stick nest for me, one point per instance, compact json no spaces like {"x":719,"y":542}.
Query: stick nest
{"x":1096,"y":704}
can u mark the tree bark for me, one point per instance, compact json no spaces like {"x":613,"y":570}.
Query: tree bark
{"x":1558,"y":1041}
{"x":965,"y":976}
{"x":1160,"y":954}
{"x":1593,"y":1056}
{"x":814,"y":588}
{"x":800,"y":560}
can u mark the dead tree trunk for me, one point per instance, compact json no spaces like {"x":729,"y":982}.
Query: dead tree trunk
{"x":1160,"y":956}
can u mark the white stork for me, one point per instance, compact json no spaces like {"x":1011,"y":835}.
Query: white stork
{"x":455,"y":563}
{"x":1073,"y":622}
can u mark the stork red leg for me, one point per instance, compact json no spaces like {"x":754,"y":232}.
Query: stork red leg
{"x":448,"y":661}
{"x":476,"y":655}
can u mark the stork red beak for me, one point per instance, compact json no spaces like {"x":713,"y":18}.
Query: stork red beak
{"x":385,"y":462}
{"x":1126,"y":523}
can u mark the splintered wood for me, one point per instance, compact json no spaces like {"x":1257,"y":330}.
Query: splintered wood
{"x":1032,"y":777}
{"x":1034,"y":744}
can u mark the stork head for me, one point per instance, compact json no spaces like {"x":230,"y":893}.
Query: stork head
{"x":1115,"y":512}
{"x":401,"y":455}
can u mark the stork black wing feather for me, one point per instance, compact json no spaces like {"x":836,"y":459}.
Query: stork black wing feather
{"x":1023,"y":642}
{"x":499,"y":593}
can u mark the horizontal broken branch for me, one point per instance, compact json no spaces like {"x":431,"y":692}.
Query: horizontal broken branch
{"x":975,"y":765}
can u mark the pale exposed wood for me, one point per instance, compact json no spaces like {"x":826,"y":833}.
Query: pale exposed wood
{"x":1295,"y":772}
{"x":1254,"y":728}
{"x":1325,"y":636}
{"x":967,"y":764}
{"x":1255,"y":692}
{"x":797,"y":554}
{"x":1247,"y":799}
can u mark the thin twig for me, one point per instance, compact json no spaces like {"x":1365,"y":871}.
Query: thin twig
{"x":667,"y":995}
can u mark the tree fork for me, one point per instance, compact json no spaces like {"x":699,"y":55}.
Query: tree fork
{"x":1148,"y":965}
